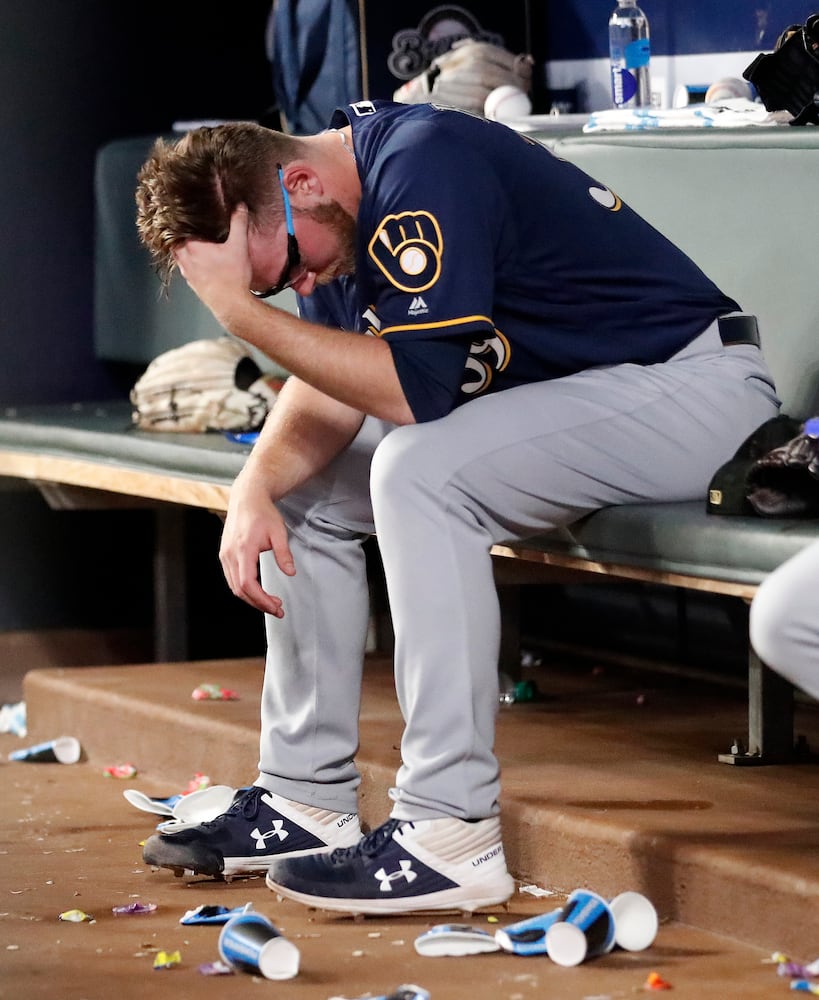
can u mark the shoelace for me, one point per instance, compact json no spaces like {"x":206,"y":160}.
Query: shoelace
{"x":369,"y":845}
{"x":246,"y":804}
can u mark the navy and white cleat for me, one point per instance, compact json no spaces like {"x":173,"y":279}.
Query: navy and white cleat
{"x":258,"y":828}
{"x":403,"y":867}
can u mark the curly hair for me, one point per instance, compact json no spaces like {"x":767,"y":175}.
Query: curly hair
{"x":188,"y":189}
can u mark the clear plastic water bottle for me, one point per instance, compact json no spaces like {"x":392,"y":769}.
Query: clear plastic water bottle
{"x":630,"y":51}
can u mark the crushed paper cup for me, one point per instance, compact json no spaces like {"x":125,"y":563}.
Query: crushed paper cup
{"x":165,"y":805}
{"x":200,"y":807}
{"x":150,"y":804}
{"x":213,"y":914}
{"x":456,"y":940}
{"x":63,"y":750}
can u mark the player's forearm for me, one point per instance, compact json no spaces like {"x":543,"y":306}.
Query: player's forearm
{"x":355,"y":370}
{"x":304,"y":431}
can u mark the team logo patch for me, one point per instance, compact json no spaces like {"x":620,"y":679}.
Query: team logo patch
{"x":363,"y":109}
{"x":407,"y":249}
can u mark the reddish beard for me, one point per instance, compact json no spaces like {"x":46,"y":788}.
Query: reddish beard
{"x":343,"y":226}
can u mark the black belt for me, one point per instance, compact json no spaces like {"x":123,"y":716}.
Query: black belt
{"x":738,"y":329}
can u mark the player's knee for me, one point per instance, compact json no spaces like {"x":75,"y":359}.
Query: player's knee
{"x":398,"y":462}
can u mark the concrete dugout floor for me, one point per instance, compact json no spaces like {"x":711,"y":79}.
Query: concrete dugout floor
{"x":609,"y":783}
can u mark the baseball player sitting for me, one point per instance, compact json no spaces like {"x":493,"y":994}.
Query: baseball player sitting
{"x":490,"y":345}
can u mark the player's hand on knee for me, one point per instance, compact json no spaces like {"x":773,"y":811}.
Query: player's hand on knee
{"x":253,"y":525}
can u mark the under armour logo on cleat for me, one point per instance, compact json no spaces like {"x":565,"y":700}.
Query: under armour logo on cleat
{"x":385,"y":878}
{"x":277,"y":831}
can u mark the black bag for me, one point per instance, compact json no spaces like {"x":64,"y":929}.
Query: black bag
{"x":788,"y":78}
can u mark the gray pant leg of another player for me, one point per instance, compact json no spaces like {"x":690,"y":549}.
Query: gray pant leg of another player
{"x":311,"y":694}
{"x":784,"y":620}
{"x":507,"y":466}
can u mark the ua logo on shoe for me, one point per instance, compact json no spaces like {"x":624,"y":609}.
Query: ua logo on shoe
{"x":277,"y":831}
{"x":385,"y":879}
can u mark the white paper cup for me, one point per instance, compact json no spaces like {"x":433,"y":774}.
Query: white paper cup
{"x":635,"y":921}
{"x":63,"y":750}
{"x":583,"y":929}
{"x":250,"y":943}
{"x":204,"y":804}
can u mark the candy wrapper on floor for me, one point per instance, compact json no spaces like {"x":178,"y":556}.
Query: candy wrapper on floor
{"x":206,"y":385}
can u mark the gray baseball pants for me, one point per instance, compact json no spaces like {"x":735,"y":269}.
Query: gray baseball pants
{"x":438,"y":495}
{"x":784,"y":620}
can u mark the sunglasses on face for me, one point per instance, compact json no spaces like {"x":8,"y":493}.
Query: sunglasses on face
{"x":287,"y":277}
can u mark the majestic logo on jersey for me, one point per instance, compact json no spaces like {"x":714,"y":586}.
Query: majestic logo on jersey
{"x":608,"y":199}
{"x":407,"y":249}
{"x":417,"y":307}
{"x":485,"y":358}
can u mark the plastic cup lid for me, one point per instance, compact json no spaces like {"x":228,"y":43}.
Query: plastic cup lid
{"x":635,"y":921}
{"x":566,"y":944}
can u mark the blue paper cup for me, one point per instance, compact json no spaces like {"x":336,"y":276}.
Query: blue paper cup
{"x":63,"y":750}
{"x":583,"y":929}
{"x":250,"y":943}
{"x":527,"y":937}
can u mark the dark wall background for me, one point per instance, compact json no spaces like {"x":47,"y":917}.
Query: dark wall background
{"x":75,"y":74}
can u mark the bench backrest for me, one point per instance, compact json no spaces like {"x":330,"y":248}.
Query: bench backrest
{"x":743,"y":204}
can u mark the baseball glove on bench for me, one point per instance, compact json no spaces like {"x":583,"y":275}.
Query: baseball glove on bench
{"x":206,"y":385}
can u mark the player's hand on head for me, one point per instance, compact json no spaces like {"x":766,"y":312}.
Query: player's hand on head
{"x":218,"y":272}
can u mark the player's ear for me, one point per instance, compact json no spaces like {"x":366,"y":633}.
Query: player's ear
{"x":303,"y":183}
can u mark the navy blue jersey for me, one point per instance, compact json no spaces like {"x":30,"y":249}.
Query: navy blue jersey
{"x":485,"y":262}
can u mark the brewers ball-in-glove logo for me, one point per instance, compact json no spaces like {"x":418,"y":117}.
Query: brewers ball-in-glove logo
{"x":407,"y":249}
